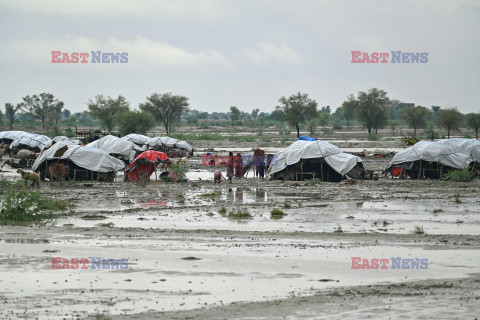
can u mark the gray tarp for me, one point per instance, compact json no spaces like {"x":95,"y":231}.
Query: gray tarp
{"x":432,"y":152}
{"x":168,"y":143}
{"x":32,"y":140}
{"x":470,"y":147}
{"x":138,"y":139}
{"x":301,"y":149}
{"x":114,"y":145}
{"x":88,"y":158}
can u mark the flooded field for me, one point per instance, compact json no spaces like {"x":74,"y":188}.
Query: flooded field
{"x":198,"y":250}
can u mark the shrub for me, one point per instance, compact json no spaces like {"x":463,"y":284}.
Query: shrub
{"x":372,"y":136}
{"x":239,"y":214}
{"x":277,"y":212}
{"x":135,"y":122}
{"x":459,"y":175}
{"x":418,"y":230}
{"x":21,"y":205}
{"x":69,"y":133}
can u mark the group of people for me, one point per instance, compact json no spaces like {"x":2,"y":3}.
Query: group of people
{"x":234,"y":166}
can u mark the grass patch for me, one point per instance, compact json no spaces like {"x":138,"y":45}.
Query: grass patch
{"x":418,"y":230}
{"x":222,"y":210}
{"x":106,"y":225}
{"x":51,"y":251}
{"x":457,"y":199}
{"x":21,"y":205}
{"x":287,"y":205}
{"x":191,"y":258}
{"x":277,"y":214}
{"x":338,"y":230}
{"x":459,"y":175}
{"x":239,"y":214}
{"x":437,"y":210}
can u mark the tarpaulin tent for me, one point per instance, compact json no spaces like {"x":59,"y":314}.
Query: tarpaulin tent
{"x":116,"y":147}
{"x":144,"y":165}
{"x":317,"y":159}
{"x":87,"y":161}
{"x":168,"y":143}
{"x":469,"y":147}
{"x":428,"y":159}
{"x":304,"y":137}
{"x":30,"y":141}
{"x":138,"y":139}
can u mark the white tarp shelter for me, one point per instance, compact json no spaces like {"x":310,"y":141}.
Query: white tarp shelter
{"x":138,"y":139}
{"x":431,"y":152}
{"x":92,"y":159}
{"x":114,"y":145}
{"x":469,"y":147}
{"x":31,"y":140}
{"x":168,"y":142}
{"x":302,"y":149}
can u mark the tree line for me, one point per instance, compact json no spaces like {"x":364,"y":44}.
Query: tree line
{"x":372,"y":109}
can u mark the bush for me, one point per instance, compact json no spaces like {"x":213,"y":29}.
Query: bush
{"x":21,"y":205}
{"x":459,"y":175}
{"x":135,"y":122}
{"x":372,"y":136}
{"x":69,"y":133}
{"x":467,"y":136}
{"x":337,"y":126}
{"x":328,"y":131}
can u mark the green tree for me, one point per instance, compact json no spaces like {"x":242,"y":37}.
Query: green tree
{"x":105,"y":109}
{"x":371,"y":109}
{"x":66,"y":114}
{"x":255,"y":113}
{"x":166,"y":108}
{"x":235,"y":114}
{"x":348,"y":109}
{"x":312,"y":126}
{"x":297,"y":109}
{"x":473,"y":121}
{"x":323,"y":118}
{"x":135,"y":122}
{"x":39,"y":106}
{"x":10,"y":111}
{"x":449,"y":119}
{"x":415,"y":117}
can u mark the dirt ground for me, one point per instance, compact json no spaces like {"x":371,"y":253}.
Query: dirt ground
{"x":191,"y":256}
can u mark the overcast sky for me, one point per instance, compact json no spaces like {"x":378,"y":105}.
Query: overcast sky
{"x":241,"y":53}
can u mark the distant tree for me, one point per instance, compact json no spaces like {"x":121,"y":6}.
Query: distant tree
{"x":393,"y":126}
{"x":10,"y":111}
{"x":473,"y":121}
{"x":135,"y":122}
{"x":312,"y":126}
{"x":435,"y":109}
{"x":415,"y":117}
{"x":278,"y":114}
{"x":166,"y":108}
{"x":323,"y":118}
{"x":371,"y":109}
{"x":235,"y":114}
{"x":326,"y":109}
{"x":348,"y":109}
{"x":449,"y":119}
{"x":66,"y":114}
{"x":1,"y":116}
{"x":202,"y":116}
{"x":39,"y":106}
{"x":105,"y":109}
{"x":297,"y":109}
{"x":255,"y":113}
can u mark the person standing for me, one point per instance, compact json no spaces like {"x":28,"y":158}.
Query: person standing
{"x":230,"y":165}
{"x":239,"y":166}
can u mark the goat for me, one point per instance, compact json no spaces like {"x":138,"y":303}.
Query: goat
{"x":34,"y":177}
{"x":58,"y":171}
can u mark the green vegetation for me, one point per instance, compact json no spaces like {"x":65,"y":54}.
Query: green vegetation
{"x":459,"y":175}
{"x":191,"y":258}
{"x":222,"y":210}
{"x":166,"y":108}
{"x":418,"y":230}
{"x":239,"y":214}
{"x":21,"y":205}
{"x":135,"y":122}
{"x":372,"y":136}
{"x":107,"y":109}
{"x":211,"y":194}
{"x":449,"y":119}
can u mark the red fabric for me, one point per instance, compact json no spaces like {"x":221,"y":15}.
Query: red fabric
{"x":396,"y":171}
{"x":145,"y":162}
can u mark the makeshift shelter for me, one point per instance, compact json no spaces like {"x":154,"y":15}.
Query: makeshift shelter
{"x":84,"y":163}
{"x":314,"y":159}
{"x":469,"y":147}
{"x":116,"y":147}
{"x":138,"y":139}
{"x":30,"y":141}
{"x":144,"y":165}
{"x":169,"y":145}
{"x":427,"y":159}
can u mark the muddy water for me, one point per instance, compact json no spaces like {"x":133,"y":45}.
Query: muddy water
{"x":157,"y":279}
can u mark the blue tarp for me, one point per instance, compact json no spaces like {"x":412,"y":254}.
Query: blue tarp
{"x":306,"y":138}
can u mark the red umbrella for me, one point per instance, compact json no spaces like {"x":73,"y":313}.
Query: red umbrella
{"x":145,"y":164}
